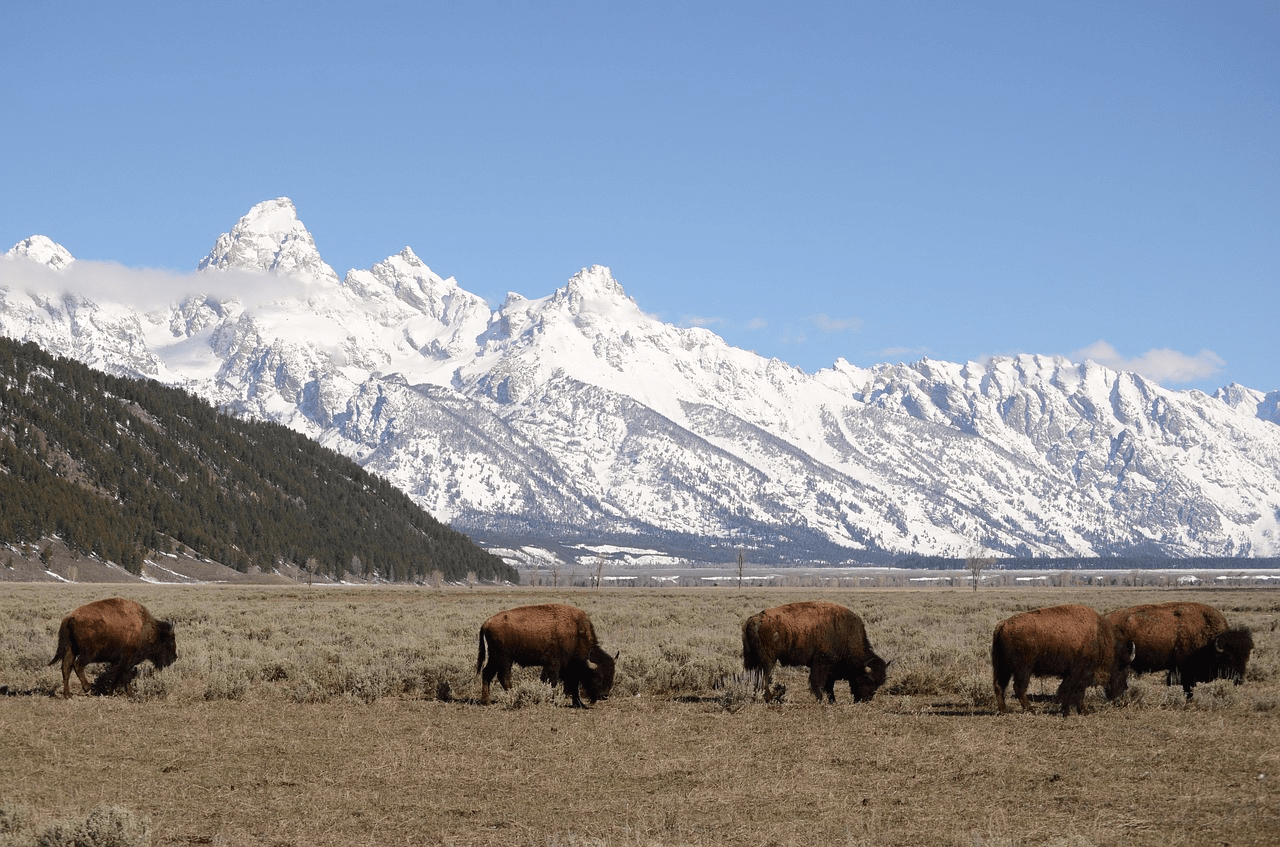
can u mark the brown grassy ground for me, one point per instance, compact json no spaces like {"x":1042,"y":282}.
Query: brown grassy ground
{"x":298,"y":716}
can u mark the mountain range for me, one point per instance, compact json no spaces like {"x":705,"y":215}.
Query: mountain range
{"x":580,"y":424}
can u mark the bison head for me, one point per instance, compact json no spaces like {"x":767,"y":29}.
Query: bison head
{"x":598,"y":681}
{"x":1117,"y":682}
{"x":1231,"y":652}
{"x":865,"y":681}
{"x":163,"y":650}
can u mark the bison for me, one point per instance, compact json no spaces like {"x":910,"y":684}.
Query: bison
{"x":1191,"y":642}
{"x":1071,"y":642}
{"x":118,"y":631}
{"x":559,"y":638}
{"x":827,"y":638}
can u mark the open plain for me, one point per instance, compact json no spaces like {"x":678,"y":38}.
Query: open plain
{"x":301,"y":715}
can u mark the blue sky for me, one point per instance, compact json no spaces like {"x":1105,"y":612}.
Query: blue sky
{"x":869,"y":180}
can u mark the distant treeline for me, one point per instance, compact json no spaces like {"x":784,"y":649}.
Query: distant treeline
{"x":1071,"y":563}
{"x":119,"y":467}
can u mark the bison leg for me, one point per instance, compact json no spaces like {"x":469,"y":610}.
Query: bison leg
{"x":1001,"y":673}
{"x":70,"y":663}
{"x":496,"y":667}
{"x":1022,"y":679}
{"x":117,"y":675}
{"x":551,"y":673}
{"x":572,"y":682}
{"x":764,"y":677}
{"x":999,"y":681}
{"x":1071,"y":691}
{"x":1183,"y":678}
{"x":822,"y":681}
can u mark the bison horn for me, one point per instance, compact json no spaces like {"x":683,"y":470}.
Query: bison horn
{"x":592,"y":666}
{"x":1217,"y":645}
{"x":1133,"y":650}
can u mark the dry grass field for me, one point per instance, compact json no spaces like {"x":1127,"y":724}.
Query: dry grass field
{"x":303,"y":716}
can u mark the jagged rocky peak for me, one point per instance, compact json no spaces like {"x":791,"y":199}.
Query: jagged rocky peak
{"x":269,"y":238}
{"x":593,"y":284}
{"x":46,"y":251}
{"x":594,"y":291}
{"x":406,"y":265}
{"x":1265,"y":406}
{"x":407,"y":279}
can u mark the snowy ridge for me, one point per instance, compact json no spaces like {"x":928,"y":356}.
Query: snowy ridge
{"x":576,"y":417}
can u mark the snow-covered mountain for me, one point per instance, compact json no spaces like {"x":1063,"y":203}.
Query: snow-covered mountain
{"x":578,"y":419}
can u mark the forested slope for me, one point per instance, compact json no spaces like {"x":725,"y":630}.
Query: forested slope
{"x":119,"y":467}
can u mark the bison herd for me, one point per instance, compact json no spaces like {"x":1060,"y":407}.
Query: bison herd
{"x":1190,"y":642}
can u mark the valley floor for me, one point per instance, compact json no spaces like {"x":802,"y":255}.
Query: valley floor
{"x":299,"y":716}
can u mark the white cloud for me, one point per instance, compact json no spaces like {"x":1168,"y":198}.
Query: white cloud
{"x":700,"y":320}
{"x":145,"y":288}
{"x":1165,"y":366}
{"x":826,"y":323}
{"x":757,"y":323}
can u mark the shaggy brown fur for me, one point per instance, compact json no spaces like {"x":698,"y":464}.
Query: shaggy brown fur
{"x":826,"y":638}
{"x":1071,"y":642}
{"x":118,"y":631}
{"x":1186,"y":640}
{"x":558,"y":638}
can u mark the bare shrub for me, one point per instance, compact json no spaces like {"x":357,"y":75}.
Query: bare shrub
{"x":106,"y":826}
{"x":226,"y":681}
{"x":739,"y":690}
{"x":1218,"y":694}
{"x":152,"y":684}
{"x":331,"y":676}
{"x":13,"y":818}
{"x":525,"y":693}
{"x":14,"y":823}
{"x":1264,"y":663}
{"x":308,"y":690}
{"x":925,"y":678}
{"x":676,"y":670}
{"x":978,"y":692}
{"x":1149,"y":695}
{"x":443,"y":680}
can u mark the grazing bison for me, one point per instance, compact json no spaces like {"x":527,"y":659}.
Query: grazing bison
{"x":828,"y":639}
{"x":1072,"y":642}
{"x":118,"y":631}
{"x":559,"y":638}
{"x":1191,"y":642}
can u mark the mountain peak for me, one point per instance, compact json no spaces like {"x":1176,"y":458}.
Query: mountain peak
{"x":269,"y":238}
{"x":594,"y":289}
{"x":46,"y":251}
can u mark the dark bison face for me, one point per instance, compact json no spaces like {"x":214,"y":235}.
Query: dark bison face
{"x":1231,"y":652}
{"x":598,"y":681}
{"x":865,"y":681}
{"x":165,"y":650}
{"x":1118,"y":680}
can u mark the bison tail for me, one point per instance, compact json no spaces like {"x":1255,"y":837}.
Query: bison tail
{"x":480,"y":657}
{"x":1000,"y":670}
{"x":66,"y":643}
{"x":751,"y":658}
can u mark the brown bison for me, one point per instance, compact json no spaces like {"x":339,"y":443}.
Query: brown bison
{"x":1191,"y":642}
{"x":118,"y":631}
{"x":826,"y":638}
{"x":1071,"y":642}
{"x":559,"y":638}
